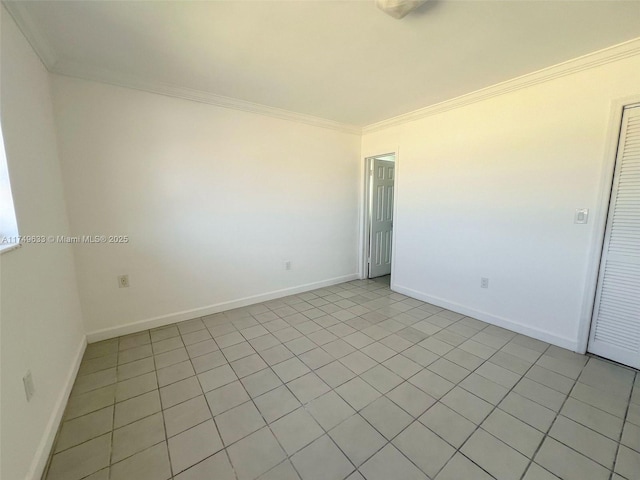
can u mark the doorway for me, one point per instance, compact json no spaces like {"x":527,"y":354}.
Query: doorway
{"x":615,"y":325}
{"x":379,"y":201}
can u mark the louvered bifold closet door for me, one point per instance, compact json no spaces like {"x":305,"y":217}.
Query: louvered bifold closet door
{"x":615,"y":330}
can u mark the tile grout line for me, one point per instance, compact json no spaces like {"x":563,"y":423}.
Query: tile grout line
{"x":555,"y":418}
{"x":268,"y":425}
{"x":390,"y":316}
{"x":116,"y":366}
{"x":618,"y":443}
{"x":224,"y":447}
{"x":113,"y":430}
{"x":477,"y":426}
{"x":438,"y":401}
{"x":335,"y":359}
{"x":624,"y":421}
{"x":113,"y":419}
{"x":156,"y":371}
{"x":162,"y":409}
{"x":356,"y":412}
{"x":304,"y":407}
{"x":390,"y":441}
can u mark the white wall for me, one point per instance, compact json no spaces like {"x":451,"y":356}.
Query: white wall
{"x":40,"y":315}
{"x":490,"y":189}
{"x":214,"y":201}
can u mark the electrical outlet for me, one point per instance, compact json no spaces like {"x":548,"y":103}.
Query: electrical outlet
{"x":29,"y":388}
{"x":484,"y":282}
{"x":123,"y":281}
{"x":287,"y":265}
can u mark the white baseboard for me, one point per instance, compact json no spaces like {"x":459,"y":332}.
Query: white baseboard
{"x":41,"y":457}
{"x":168,"y":319}
{"x":539,"y":334}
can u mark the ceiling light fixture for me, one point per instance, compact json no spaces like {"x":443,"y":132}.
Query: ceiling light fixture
{"x":398,"y":8}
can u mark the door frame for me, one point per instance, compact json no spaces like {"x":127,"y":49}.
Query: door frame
{"x":600,"y":218}
{"x":365,"y":213}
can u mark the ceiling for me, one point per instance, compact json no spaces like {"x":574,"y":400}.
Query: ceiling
{"x":344,"y":61}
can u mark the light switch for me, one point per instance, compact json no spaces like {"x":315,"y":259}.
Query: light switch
{"x":582,"y":215}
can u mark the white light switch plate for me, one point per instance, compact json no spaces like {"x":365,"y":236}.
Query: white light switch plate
{"x":581,"y":216}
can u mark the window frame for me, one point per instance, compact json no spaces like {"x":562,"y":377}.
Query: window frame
{"x":8,"y":219}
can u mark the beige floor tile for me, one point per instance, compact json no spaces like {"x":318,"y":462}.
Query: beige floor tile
{"x":460,"y":467}
{"x":567,"y":463}
{"x":313,"y":385}
{"x":137,"y":436}
{"x":424,"y":448}
{"x":239,"y":422}
{"x":357,"y":439}
{"x":215,"y":467}
{"x":256,"y":454}
{"x":390,"y":463}
{"x":494,"y":456}
{"x":194,"y":445}
{"x":449,"y":425}
{"x":296,"y":430}
{"x":322,"y":460}
{"x":386,"y":417}
{"x":150,"y":464}
{"x":185,"y":415}
{"x":82,"y":460}
{"x":329,"y":410}
{"x":79,"y":430}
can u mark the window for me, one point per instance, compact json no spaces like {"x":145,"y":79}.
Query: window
{"x":8,"y":225}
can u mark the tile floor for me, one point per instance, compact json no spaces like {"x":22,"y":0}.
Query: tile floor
{"x":347,"y":382}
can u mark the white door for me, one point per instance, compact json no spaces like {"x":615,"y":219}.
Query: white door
{"x":615,"y":328}
{"x":381,"y":218}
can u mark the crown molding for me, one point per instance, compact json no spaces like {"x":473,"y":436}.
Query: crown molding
{"x":118,"y":79}
{"x":53,"y":63}
{"x":34,"y":36}
{"x":43,"y":48}
{"x":591,"y":60}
